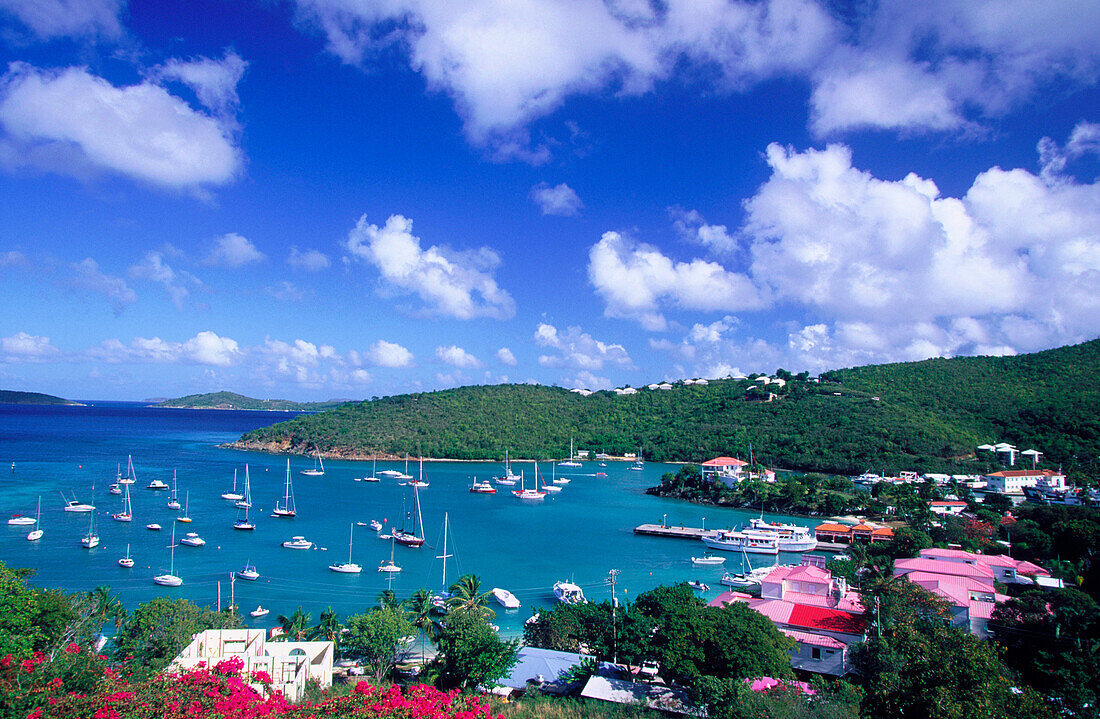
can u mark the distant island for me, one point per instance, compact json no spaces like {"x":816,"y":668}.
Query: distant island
{"x":8,"y":396}
{"x":926,"y":416}
{"x":231,"y":400}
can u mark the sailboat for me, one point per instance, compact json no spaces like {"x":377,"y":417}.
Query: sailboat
{"x":572,"y":461}
{"x":347,"y":567}
{"x":420,"y":482}
{"x":129,"y":478}
{"x":126,"y":561}
{"x":243,"y":523}
{"x":91,"y":539}
{"x":373,"y":471}
{"x":245,"y":502}
{"x":524,"y":493}
{"x":318,"y":466}
{"x":389,"y":566}
{"x":174,"y":502}
{"x":405,"y":474}
{"x":440,"y":600}
{"x":553,"y":486}
{"x":186,"y":503}
{"x":114,"y":488}
{"x":286,"y":509}
{"x":232,"y":495}
{"x":35,"y":534}
{"x":407,"y":538}
{"x":170,"y":579}
{"x":509,"y":477}
{"x":124,"y":515}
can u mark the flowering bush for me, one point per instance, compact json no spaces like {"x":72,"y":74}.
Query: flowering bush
{"x":45,"y":691}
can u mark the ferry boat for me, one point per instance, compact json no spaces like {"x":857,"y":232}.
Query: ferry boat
{"x":791,"y":537}
{"x":727,"y":541}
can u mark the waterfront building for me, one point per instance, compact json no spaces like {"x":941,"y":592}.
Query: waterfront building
{"x":843,"y":534}
{"x":1013,"y":481}
{"x":730,"y":471}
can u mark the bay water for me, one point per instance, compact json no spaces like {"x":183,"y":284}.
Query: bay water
{"x":578,"y":534}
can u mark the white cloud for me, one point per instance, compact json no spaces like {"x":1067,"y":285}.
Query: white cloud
{"x":578,"y":349}
{"x":23,"y":347}
{"x":1083,"y":140}
{"x":559,"y":200}
{"x":636,"y":280}
{"x":153,"y":267}
{"x":311,"y":260}
{"x":505,"y":357}
{"x":205,"y":348}
{"x":13,"y":258}
{"x":691,"y":226}
{"x":208,"y":348}
{"x":89,"y":277}
{"x":458,"y":357}
{"x":233,"y":250}
{"x":588,"y":380}
{"x":284,"y":290}
{"x":389,"y":354}
{"x":214,"y":82}
{"x":452,"y":283}
{"x":67,"y":18}
{"x":70,"y":120}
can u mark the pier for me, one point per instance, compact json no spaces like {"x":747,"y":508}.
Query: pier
{"x":696,"y":533}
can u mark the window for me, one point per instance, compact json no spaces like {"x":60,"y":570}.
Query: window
{"x":816,"y":652}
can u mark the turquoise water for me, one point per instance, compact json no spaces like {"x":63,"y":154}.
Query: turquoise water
{"x":579,"y":534}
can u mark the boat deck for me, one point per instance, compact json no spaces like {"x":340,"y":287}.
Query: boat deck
{"x":696,"y":533}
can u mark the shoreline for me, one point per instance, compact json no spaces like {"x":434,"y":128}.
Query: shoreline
{"x":284,"y":449}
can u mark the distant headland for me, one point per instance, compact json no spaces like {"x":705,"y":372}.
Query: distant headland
{"x":8,"y":396}
{"x":231,"y":400}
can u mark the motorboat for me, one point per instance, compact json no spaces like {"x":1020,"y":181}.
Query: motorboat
{"x":505,"y":598}
{"x":20,"y":520}
{"x":249,"y":573}
{"x":707,"y":560}
{"x":389,"y":473}
{"x":376,"y":525}
{"x":699,"y":586}
{"x":258,"y":612}
{"x":157,"y":484}
{"x":170,"y":579}
{"x":192,"y":539}
{"x":729,"y":541}
{"x":482,"y":488}
{"x":569,"y":593}
{"x":114,"y":489}
{"x":347,"y":567}
{"x":127,"y":562}
{"x":153,"y":527}
{"x":73,"y":505}
{"x":297,"y":543}
{"x":790,"y":537}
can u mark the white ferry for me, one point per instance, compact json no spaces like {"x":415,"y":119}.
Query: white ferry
{"x":791,"y":537}
{"x":753,"y":543}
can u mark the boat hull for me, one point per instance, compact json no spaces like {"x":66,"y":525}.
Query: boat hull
{"x":737,"y":544}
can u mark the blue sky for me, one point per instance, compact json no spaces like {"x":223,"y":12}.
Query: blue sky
{"x":342,"y":198}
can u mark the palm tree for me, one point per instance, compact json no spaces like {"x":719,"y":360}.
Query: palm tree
{"x":296,"y":626}
{"x":420,"y":609}
{"x":386,"y":598}
{"x":466,"y":594}
{"x":328,"y":627}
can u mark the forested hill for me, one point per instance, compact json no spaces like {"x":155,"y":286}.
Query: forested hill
{"x":8,"y":396}
{"x":927,"y":415}
{"x":230,"y":400}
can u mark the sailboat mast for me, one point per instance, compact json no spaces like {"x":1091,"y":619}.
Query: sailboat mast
{"x":444,"y":555}
{"x":351,"y":531}
{"x":419,"y":517}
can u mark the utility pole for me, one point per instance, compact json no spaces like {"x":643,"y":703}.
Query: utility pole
{"x":232,"y":597}
{"x":219,"y":596}
{"x":612,"y":575}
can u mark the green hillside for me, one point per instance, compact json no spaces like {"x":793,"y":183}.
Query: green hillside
{"x":925,"y":416}
{"x":230,"y":400}
{"x":8,"y":396}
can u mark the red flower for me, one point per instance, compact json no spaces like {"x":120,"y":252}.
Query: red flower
{"x":6,"y":661}
{"x":28,"y":665}
{"x":72,"y":648}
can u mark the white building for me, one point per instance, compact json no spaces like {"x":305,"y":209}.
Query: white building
{"x":289,"y":664}
{"x":947,"y":507}
{"x":624,"y":391}
{"x":1013,"y":481}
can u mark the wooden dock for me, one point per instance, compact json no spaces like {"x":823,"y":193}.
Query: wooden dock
{"x":696,"y":533}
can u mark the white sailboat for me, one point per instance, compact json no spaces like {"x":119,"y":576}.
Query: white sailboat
{"x":245,"y":502}
{"x":286,"y":509}
{"x":91,"y":539}
{"x":552,"y":487}
{"x":373,"y":471}
{"x":174,"y":502}
{"x":243,"y":523}
{"x":115,"y":488}
{"x":405,"y":474}
{"x":318,"y":466}
{"x":389,"y":565}
{"x":420,"y":481}
{"x":509,"y":478}
{"x":35,"y":534}
{"x":440,"y":600}
{"x":347,"y":567}
{"x":124,"y":515}
{"x":185,"y":517}
{"x":170,"y":579}
{"x":555,"y":479}
{"x":129,"y":478}
{"x":232,"y":495}
{"x":411,"y":538}
{"x":126,"y":562}
{"x":524,"y":493}
{"x":572,"y":461}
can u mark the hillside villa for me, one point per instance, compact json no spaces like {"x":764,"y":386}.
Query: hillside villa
{"x":730,"y":471}
{"x":1013,"y":481}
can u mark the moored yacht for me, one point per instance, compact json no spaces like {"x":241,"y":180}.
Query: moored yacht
{"x":569,"y":593}
{"x":789,"y":537}
{"x":297,"y":543}
{"x":505,"y":598}
{"x":727,"y":541}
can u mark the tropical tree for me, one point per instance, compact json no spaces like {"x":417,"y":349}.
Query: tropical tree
{"x":421,"y":613}
{"x":471,"y":653}
{"x":387,"y":598}
{"x":328,"y":627}
{"x":466,"y":594}
{"x":156,"y":631}
{"x":377,"y":639}
{"x":296,"y":626}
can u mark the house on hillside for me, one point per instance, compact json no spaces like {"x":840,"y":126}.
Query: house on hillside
{"x":1013,"y":481}
{"x":945,"y":507}
{"x":730,"y":471}
{"x":624,"y":391}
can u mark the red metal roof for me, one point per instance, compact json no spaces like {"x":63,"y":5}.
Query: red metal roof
{"x":825,"y":619}
{"x":725,"y":462}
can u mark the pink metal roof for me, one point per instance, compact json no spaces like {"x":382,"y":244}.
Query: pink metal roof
{"x":817,"y":640}
{"x":776,"y":610}
{"x":981,"y":610}
{"x":728,"y":598}
{"x":939,"y":566}
{"x":848,"y":603}
{"x":725,"y":462}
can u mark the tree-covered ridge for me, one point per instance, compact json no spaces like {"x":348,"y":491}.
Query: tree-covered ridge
{"x":231,"y":400}
{"x":926,"y":416}
{"x":8,"y":396}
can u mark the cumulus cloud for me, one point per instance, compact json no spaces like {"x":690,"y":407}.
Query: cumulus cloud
{"x":205,"y":348}
{"x":233,"y":250}
{"x":89,"y":277}
{"x":23,"y":347}
{"x":588,"y":380}
{"x":71,"y":121}
{"x":214,"y":82}
{"x":310,"y":260}
{"x":505,"y":357}
{"x":691,"y":226}
{"x":453,"y":283}
{"x":154,"y":268}
{"x":558,"y":200}
{"x":636,"y":280}
{"x":389,"y":354}
{"x":67,"y":18}
{"x":457,"y":357}
{"x":578,"y":350}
